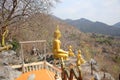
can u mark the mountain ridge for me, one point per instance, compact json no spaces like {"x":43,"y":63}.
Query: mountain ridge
{"x":117,"y":25}
{"x":86,"y":25}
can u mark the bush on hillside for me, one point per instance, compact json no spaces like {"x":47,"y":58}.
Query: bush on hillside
{"x":15,"y":44}
{"x":104,"y":41}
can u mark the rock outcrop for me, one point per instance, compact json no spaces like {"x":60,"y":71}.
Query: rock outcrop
{"x":7,"y":73}
{"x":9,"y":58}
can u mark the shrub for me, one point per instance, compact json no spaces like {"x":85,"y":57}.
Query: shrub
{"x":116,"y":59}
{"x":15,"y":44}
{"x":104,"y":41}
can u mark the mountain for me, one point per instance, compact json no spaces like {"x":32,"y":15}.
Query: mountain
{"x":94,"y":27}
{"x":117,"y":25}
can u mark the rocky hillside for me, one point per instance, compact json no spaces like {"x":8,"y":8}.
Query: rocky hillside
{"x":104,"y":49}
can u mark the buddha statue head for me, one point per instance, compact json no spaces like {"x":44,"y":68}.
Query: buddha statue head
{"x":79,"y":51}
{"x":57,"y":33}
{"x":70,"y":47}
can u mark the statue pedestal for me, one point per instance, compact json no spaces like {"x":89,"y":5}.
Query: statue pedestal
{"x":61,"y":55}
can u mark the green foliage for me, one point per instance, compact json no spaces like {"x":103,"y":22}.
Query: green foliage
{"x":15,"y":44}
{"x":104,"y":41}
{"x":104,"y":68}
{"x":93,"y":52}
{"x":72,"y":36}
{"x":87,"y":53}
{"x":116,"y":59}
{"x":116,"y":69}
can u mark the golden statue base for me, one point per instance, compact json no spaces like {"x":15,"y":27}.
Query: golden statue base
{"x":61,"y":55}
{"x":7,"y":47}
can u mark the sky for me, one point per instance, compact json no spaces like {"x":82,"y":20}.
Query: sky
{"x":106,"y":11}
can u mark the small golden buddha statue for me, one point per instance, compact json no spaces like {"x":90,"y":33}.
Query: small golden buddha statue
{"x":58,"y":52}
{"x":80,"y":60}
{"x":71,"y":52}
{"x":4,"y":35}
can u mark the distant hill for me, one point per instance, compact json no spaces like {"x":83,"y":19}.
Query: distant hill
{"x":117,"y":25}
{"x":94,"y":27}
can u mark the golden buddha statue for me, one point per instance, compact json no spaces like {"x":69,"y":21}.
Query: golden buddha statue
{"x":80,"y":60}
{"x":4,"y":35}
{"x":58,"y":52}
{"x":71,"y":52}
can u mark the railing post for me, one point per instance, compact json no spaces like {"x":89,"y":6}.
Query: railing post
{"x":104,"y":75}
{"x":91,"y":68}
{"x":44,"y":65}
{"x":45,"y":49}
{"x":36,"y":67}
{"x":23,"y":68}
{"x":33,"y":68}
{"x":26,"y":69}
{"x":30,"y":68}
{"x":65,"y":76}
{"x":71,"y":75}
{"x":119,"y":76}
{"x":80,"y":76}
{"x":22,"y":58}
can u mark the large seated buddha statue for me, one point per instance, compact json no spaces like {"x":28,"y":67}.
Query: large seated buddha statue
{"x":58,"y":52}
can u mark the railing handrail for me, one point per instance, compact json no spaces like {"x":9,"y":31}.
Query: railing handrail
{"x":26,"y":65}
{"x":23,"y":42}
{"x":16,"y":66}
{"x":33,"y":64}
{"x":44,"y":63}
{"x":55,"y":68}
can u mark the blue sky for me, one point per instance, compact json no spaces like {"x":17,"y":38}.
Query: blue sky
{"x":107,"y":11}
